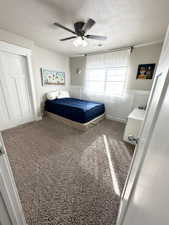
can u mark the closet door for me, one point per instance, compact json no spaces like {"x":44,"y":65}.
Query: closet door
{"x":15,"y":95}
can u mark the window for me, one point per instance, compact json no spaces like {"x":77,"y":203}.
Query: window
{"x":106,"y":73}
{"x":110,"y":81}
{"x":95,"y":80}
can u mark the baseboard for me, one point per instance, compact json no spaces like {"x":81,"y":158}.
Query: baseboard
{"x":118,"y":119}
{"x":38,"y":118}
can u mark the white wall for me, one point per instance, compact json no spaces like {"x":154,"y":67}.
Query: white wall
{"x":77,"y":63}
{"x":48,"y":59}
{"x":142,"y":55}
{"x":40,"y":58}
{"x":43,"y":58}
{"x":15,"y":39}
{"x":118,"y":108}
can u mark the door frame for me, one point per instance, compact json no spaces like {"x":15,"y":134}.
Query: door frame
{"x":8,"y":190}
{"x":17,"y":50}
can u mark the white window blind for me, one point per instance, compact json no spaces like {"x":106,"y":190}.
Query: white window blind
{"x":106,"y":73}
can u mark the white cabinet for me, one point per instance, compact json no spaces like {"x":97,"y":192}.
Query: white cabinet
{"x":134,"y":123}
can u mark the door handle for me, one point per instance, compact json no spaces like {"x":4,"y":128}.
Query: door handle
{"x":133,"y":140}
{"x":1,"y":149}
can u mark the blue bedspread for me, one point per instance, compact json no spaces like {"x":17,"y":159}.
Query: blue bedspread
{"x":81,"y":111}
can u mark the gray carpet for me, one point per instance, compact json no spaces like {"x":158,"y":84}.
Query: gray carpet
{"x":63,"y":175}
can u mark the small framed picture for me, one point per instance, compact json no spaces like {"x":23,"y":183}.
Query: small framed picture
{"x":52,"y":77}
{"x":145,"y":71}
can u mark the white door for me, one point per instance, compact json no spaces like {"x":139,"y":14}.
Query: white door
{"x":15,"y":94}
{"x":11,"y":212}
{"x":4,"y":216}
{"x":154,"y":105}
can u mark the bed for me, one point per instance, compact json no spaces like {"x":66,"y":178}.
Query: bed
{"x":78,"y":113}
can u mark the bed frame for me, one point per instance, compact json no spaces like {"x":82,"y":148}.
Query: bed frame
{"x":71,"y":123}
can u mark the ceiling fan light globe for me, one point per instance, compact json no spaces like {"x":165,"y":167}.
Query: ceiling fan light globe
{"x":79,"y":42}
{"x":84,"y":43}
{"x":75,"y":43}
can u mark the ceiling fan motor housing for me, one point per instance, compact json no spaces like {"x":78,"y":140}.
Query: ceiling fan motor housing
{"x":78,"y":28}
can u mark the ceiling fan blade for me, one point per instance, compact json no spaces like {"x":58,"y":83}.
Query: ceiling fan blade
{"x":88,"y":25}
{"x":65,"y":39}
{"x":63,"y":27}
{"x":96,"y":37}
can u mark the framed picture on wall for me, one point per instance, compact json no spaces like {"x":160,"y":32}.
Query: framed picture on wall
{"x":52,"y":77}
{"x":145,"y":71}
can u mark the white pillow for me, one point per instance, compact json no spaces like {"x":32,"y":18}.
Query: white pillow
{"x":52,"y":95}
{"x":64,"y":94}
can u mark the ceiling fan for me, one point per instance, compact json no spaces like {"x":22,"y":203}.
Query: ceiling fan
{"x":80,"y":29}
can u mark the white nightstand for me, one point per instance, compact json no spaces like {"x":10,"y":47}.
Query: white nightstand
{"x":134,"y":123}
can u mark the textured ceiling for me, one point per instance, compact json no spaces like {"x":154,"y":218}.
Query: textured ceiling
{"x":125,"y":22}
